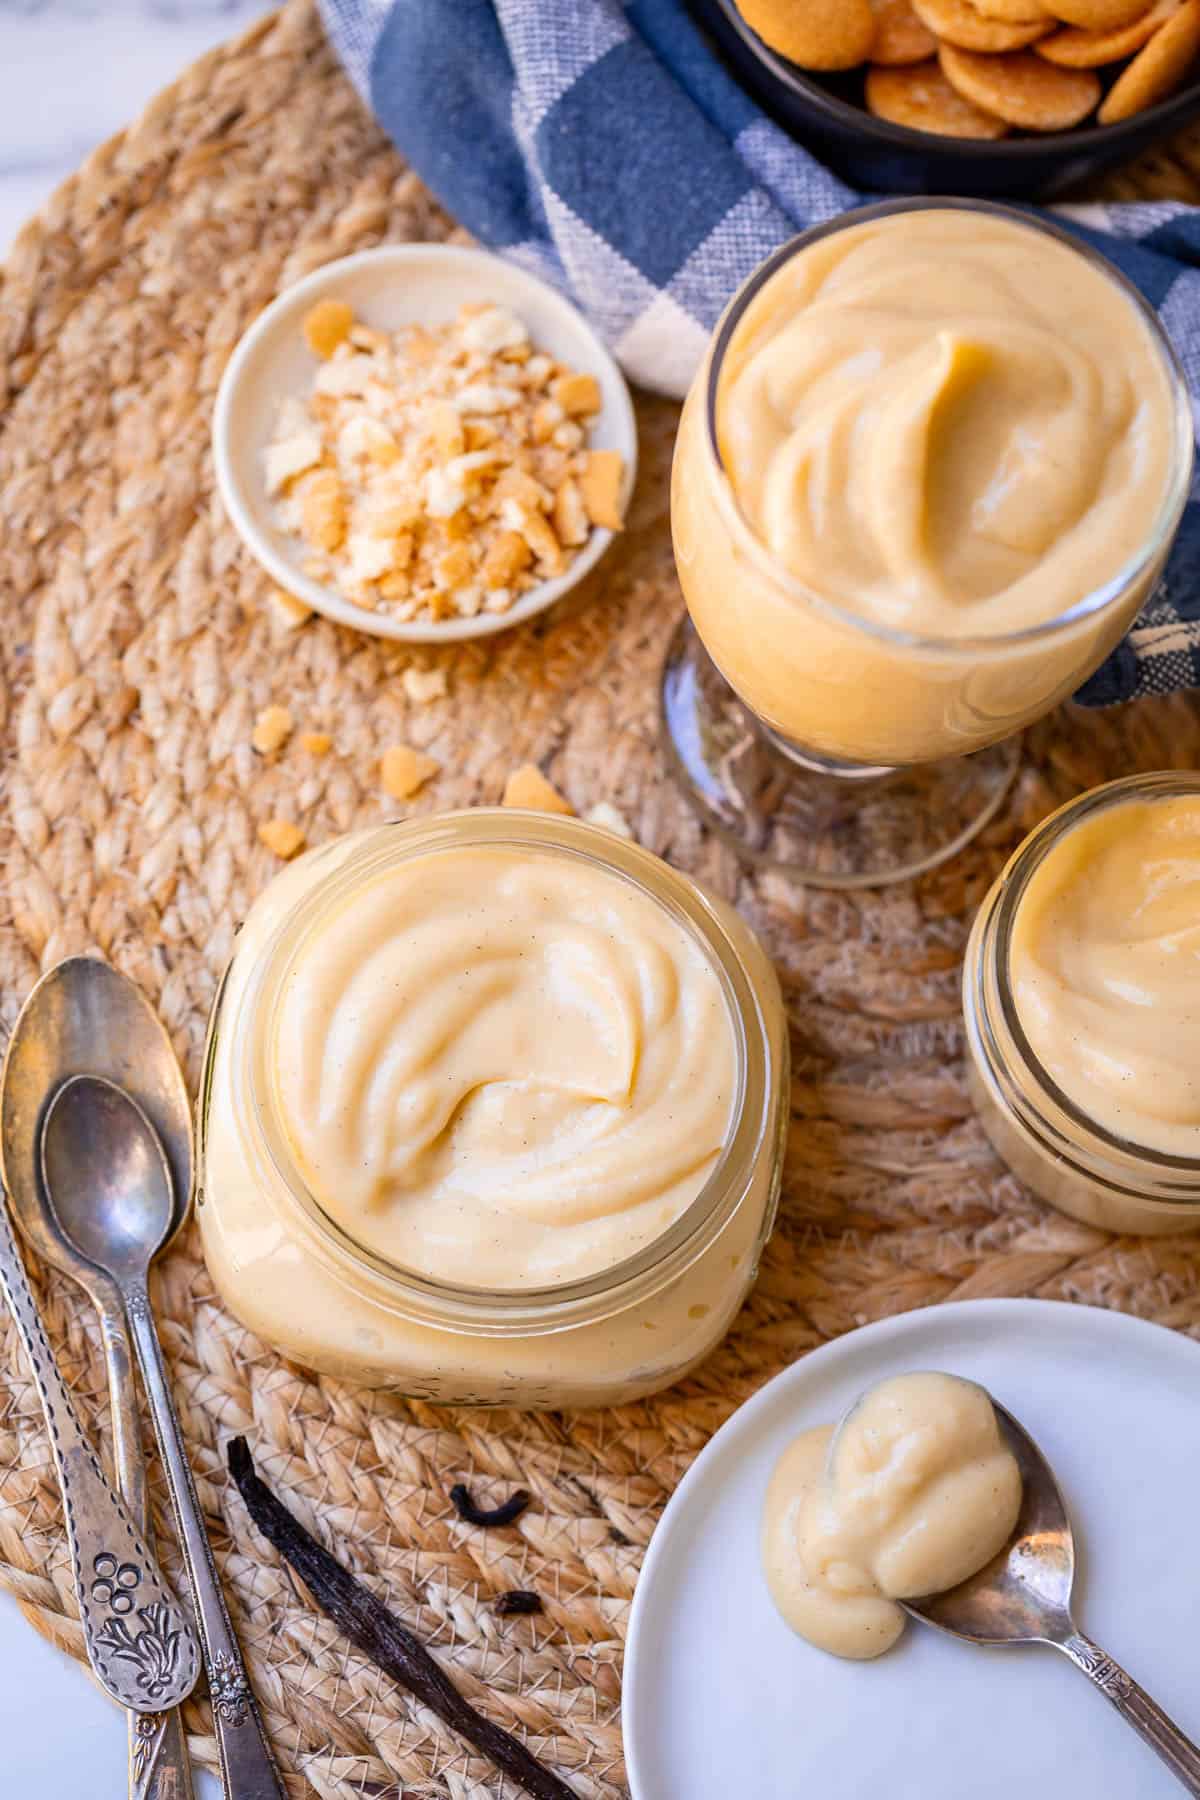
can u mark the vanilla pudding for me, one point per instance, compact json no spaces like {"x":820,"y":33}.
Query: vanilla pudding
{"x":1105,"y":970}
{"x":1082,"y":995}
{"x":503,"y":1068}
{"x":926,"y":477}
{"x":912,"y":1493}
{"x":492,"y":1113}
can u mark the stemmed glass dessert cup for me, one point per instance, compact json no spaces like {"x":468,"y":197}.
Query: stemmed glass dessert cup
{"x":814,"y":738}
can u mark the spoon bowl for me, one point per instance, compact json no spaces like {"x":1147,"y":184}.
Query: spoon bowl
{"x":85,"y":1017}
{"x":106,"y":1176}
{"x":1023,"y":1596}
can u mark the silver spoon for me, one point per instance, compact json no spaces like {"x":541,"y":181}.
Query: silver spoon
{"x":84,"y":1016}
{"x":1023,"y":1596}
{"x":109,"y":1187}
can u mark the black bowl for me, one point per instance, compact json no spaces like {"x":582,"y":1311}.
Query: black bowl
{"x":827,"y":115}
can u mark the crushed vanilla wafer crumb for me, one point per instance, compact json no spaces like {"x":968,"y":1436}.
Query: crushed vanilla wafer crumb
{"x":272,"y":729}
{"x":403,"y":770}
{"x":317,"y":743}
{"x":600,"y":485}
{"x":423,"y":685}
{"x":281,"y":837}
{"x":288,"y":612}
{"x":438,"y":472}
{"x":327,"y":325}
{"x":528,"y":787}
{"x":605,"y":813}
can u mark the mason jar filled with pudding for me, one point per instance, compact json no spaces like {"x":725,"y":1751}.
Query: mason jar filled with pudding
{"x":1081,"y":991}
{"x":492,"y":1113}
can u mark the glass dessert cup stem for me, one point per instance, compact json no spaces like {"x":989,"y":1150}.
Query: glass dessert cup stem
{"x":828,"y":823}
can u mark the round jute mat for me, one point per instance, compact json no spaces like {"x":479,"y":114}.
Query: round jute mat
{"x":136,"y":649}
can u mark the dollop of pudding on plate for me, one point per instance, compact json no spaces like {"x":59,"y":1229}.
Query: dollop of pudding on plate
{"x":913,"y":1492}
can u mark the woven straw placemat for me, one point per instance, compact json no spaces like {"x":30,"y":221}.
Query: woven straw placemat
{"x":136,"y":649}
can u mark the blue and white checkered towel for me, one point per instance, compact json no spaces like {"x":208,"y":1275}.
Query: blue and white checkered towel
{"x":602,"y":145}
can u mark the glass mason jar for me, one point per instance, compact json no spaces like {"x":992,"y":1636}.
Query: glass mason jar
{"x":1067,"y":1158}
{"x":832,"y":743}
{"x":304,"y":1284}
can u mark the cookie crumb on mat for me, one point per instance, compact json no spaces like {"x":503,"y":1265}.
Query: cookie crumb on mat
{"x":600,"y":485}
{"x":528,"y":787}
{"x":287,"y":611}
{"x":272,"y":729}
{"x":317,"y":743}
{"x":281,"y":837}
{"x":605,"y":813}
{"x":404,"y":770}
{"x":423,"y":685}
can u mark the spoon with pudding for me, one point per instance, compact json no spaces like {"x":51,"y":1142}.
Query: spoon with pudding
{"x":1023,"y":1596}
{"x":928,"y":1499}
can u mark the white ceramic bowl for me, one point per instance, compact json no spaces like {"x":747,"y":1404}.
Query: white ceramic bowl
{"x":395,"y":285}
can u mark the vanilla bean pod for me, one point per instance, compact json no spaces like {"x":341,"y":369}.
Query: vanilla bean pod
{"x":380,"y":1636}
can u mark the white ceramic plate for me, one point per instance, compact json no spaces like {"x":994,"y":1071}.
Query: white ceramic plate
{"x":723,"y":1702}
{"x":394,"y":285}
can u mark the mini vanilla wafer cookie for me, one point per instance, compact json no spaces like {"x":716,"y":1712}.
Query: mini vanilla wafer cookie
{"x":919,"y":96}
{"x":1015,"y":12}
{"x":817,"y":34}
{"x":960,"y":23}
{"x":1022,"y":89}
{"x":1099,"y":15}
{"x":1158,"y":69}
{"x":900,"y":36}
{"x":1074,"y":48}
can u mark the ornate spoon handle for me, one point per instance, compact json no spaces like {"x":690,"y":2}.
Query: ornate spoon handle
{"x":1137,"y":1708}
{"x":247,"y":1765}
{"x":158,"y":1759}
{"x":138,"y":1641}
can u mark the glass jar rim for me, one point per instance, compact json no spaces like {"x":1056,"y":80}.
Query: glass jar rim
{"x":1012,"y":885}
{"x":506,"y":1310}
{"x":1092,"y":604}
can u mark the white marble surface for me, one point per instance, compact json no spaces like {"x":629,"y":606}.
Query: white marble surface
{"x":74,"y":71}
{"x":62,"y":1738}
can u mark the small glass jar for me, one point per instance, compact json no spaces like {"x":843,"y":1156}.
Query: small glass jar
{"x":299,"y":1280}
{"x":1066,"y":1157}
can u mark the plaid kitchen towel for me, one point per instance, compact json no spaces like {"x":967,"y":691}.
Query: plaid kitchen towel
{"x":603,"y":146}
